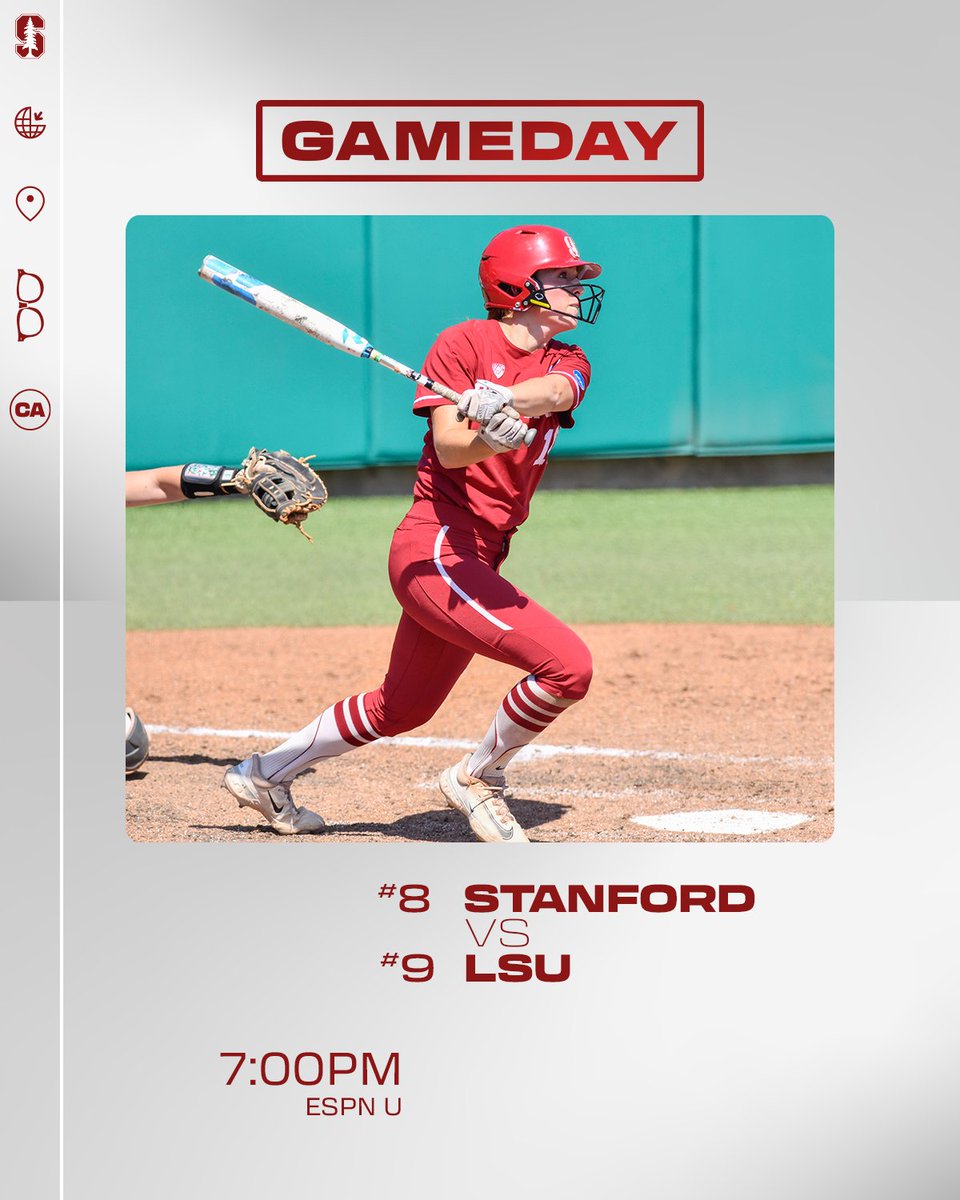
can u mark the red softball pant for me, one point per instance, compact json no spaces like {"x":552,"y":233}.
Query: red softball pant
{"x":456,"y":605}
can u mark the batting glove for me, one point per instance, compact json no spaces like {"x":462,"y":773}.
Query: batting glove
{"x":504,"y":431}
{"x":484,"y":401}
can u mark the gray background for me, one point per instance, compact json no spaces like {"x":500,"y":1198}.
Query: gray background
{"x":808,"y":1047}
{"x":29,"y":536}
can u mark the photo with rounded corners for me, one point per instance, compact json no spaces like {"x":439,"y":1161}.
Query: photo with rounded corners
{"x":504,"y":529}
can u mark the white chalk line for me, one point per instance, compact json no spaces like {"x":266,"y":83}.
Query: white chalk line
{"x":635,"y":795}
{"x":740,"y":821}
{"x":578,"y":793}
{"x":532,"y":753}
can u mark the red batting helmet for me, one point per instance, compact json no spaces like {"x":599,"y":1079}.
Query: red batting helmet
{"x":509,"y":265}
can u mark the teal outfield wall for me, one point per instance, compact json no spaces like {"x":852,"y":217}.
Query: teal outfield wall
{"x":716,"y":335}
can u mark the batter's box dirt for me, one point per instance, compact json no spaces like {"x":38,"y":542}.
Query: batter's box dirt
{"x":681,"y":719}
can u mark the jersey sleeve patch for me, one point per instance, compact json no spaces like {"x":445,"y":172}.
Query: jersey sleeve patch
{"x":577,"y":381}
{"x":572,"y":364}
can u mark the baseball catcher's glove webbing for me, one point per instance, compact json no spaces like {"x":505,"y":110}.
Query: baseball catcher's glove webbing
{"x":287,"y":489}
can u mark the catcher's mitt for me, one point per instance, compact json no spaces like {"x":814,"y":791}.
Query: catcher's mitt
{"x":287,"y":489}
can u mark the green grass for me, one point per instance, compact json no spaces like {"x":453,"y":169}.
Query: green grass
{"x":717,"y":555}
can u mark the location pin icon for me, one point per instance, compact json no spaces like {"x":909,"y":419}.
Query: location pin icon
{"x":30,"y":201}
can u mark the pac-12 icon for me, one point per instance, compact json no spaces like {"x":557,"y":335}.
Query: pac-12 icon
{"x":29,"y":124}
{"x":31,"y":42}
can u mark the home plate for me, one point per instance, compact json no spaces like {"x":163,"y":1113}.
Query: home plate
{"x":729,"y":820}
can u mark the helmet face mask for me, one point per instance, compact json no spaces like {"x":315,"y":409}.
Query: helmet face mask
{"x":511,"y":262}
{"x":589,"y":297}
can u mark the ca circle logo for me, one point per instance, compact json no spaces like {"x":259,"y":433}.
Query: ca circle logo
{"x":30,"y":409}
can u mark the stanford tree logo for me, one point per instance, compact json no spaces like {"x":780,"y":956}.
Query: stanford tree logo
{"x":31,"y":42}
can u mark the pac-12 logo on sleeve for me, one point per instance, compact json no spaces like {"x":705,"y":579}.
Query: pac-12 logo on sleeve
{"x":31,"y":42}
{"x":437,"y":140}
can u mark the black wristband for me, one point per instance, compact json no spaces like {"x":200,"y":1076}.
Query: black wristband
{"x":204,"y":479}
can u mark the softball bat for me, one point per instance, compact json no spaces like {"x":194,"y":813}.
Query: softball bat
{"x":315,"y":323}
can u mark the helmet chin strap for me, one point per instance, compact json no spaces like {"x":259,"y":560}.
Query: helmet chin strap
{"x":532,"y":304}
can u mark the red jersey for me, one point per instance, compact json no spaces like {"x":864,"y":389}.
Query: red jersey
{"x":495,"y":493}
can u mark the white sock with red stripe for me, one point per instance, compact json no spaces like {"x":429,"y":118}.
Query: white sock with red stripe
{"x":525,"y":711}
{"x":341,"y":727}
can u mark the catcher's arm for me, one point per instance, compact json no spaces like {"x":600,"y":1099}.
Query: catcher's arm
{"x":285,"y":488}
{"x":188,"y":481}
{"x":161,"y":485}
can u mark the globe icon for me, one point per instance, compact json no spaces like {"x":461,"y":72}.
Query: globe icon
{"x":28,"y":124}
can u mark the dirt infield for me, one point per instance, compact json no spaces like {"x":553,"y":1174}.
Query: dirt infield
{"x":706,"y":717}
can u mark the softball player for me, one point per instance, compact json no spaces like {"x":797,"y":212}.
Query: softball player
{"x":473,"y":489}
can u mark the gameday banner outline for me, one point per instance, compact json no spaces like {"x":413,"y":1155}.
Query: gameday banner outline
{"x":270,"y":154}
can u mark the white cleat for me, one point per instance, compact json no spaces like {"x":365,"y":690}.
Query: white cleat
{"x":271,"y":800}
{"x":481,"y":802}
